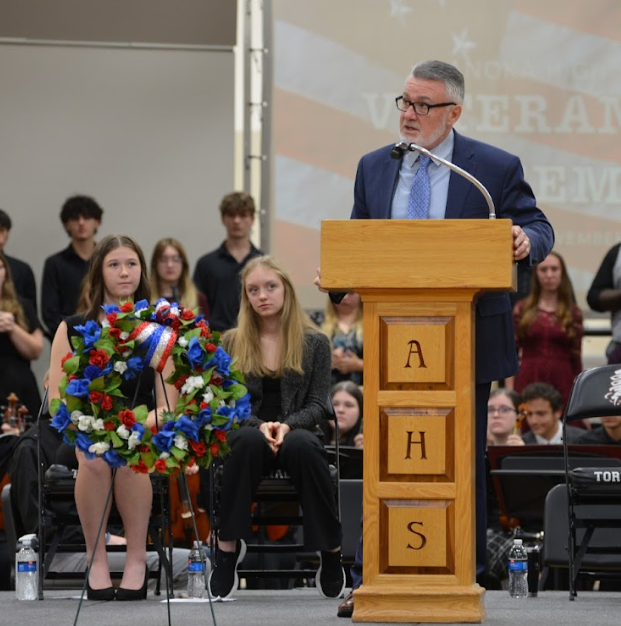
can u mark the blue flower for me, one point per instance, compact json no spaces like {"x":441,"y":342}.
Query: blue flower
{"x":163,"y":441}
{"x":243,"y":408}
{"x":92,"y":372}
{"x":195,"y":353}
{"x":138,"y":428}
{"x":110,"y":308}
{"x":62,"y":419}
{"x":83,"y":443}
{"x":226,"y":411}
{"x":204,"y":418}
{"x":114,"y":459}
{"x":78,"y":388}
{"x":134,"y":367}
{"x":91,"y":331}
{"x":187,"y":427}
{"x":140,"y":305}
{"x":221,"y":361}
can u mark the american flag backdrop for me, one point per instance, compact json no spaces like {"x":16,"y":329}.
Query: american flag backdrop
{"x":542,"y":81}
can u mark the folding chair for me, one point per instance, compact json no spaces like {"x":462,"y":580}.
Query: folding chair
{"x":593,"y":493}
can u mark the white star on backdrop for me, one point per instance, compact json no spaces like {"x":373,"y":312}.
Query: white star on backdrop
{"x":399,"y":9}
{"x":462,"y":44}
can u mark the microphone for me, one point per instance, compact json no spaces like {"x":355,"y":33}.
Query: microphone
{"x":398,"y":152}
{"x":175,"y":293}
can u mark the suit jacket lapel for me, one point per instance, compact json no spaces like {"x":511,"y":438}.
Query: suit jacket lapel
{"x":390,"y":174}
{"x":459,"y":187}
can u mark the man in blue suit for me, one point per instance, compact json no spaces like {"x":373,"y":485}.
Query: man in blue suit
{"x":430,"y":105}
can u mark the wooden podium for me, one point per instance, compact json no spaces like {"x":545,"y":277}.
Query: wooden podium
{"x":418,"y":281}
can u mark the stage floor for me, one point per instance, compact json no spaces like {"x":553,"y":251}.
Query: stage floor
{"x":297,"y":606}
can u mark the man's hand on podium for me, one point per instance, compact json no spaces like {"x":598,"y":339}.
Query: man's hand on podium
{"x":521,"y":243}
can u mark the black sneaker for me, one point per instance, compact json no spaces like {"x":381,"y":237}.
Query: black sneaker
{"x":330,"y":577}
{"x":223,"y":580}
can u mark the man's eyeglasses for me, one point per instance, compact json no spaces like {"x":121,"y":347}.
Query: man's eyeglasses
{"x":420,"y":108}
{"x":502,"y":410}
{"x":174,"y":260}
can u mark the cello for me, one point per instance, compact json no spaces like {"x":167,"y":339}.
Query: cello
{"x":184,"y":490}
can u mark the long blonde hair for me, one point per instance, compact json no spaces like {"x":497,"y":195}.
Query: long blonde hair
{"x":331,"y":321}
{"x":188,"y":295}
{"x":9,"y":302}
{"x":244,"y":341}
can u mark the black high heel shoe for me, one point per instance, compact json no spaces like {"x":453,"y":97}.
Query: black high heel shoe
{"x":106,"y":594}
{"x":124,"y":595}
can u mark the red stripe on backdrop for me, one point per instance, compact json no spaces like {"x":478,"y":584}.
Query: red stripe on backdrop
{"x":323,"y":136}
{"x":596,"y":17}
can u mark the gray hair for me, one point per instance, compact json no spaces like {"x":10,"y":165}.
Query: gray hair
{"x":448,"y":74}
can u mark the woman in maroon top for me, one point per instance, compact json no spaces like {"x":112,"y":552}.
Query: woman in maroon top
{"x":548,"y":329}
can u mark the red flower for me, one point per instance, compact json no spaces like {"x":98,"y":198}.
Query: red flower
{"x":180,"y":382}
{"x":160,"y":466}
{"x":108,"y":425}
{"x":192,"y":461}
{"x":216,"y":380}
{"x":210,"y":347}
{"x":187,"y":314}
{"x":220,"y":435}
{"x":127,"y":417}
{"x":66,"y":358}
{"x":98,"y":358}
{"x":205,"y":332}
{"x":198,"y":447}
{"x":106,"y":403}
{"x":127,"y":307}
{"x":96,"y":397}
{"x":203,"y":405}
{"x":144,"y":448}
{"x":111,"y":317}
{"x":154,"y":429}
{"x":115,"y":333}
{"x":213,"y":448}
{"x":141,"y":468}
{"x":71,"y":377}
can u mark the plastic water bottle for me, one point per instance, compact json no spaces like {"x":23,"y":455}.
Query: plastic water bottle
{"x":196,"y":573}
{"x":518,"y":570}
{"x":26,"y":569}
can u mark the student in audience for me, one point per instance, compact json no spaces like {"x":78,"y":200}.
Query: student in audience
{"x":216,"y":274}
{"x":286,"y":364}
{"x":503,"y":418}
{"x":544,"y":407}
{"x":21,"y":341}
{"x":170,"y":274}
{"x":21,"y":272}
{"x":64,"y":271}
{"x":347,"y":402}
{"x":609,"y":433}
{"x":342,"y":323}
{"x":548,"y":330}
{"x":605,"y":295}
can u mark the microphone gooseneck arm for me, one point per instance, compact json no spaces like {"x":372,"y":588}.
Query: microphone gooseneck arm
{"x":398,"y":152}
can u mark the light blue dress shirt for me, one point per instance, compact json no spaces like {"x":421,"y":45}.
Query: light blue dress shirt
{"x":438,"y":177}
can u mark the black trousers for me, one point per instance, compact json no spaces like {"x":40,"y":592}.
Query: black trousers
{"x":303,"y":457}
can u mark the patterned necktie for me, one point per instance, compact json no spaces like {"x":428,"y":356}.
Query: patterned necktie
{"x":418,"y":203}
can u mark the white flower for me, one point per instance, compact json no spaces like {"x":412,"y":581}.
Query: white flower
{"x":208,"y":395}
{"x":105,"y":323}
{"x":164,"y":455}
{"x":183,"y":342}
{"x":122,"y":432}
{"x":85,"y":423}
{"x":75,"y":417}
{"x":127,"y":354}
{"x":193,"y":382}
{"x":181,"y":442}
{"x":120,"y":367}
{"x":98,"y":424}
{"x":123,"y":336}
{"x":99,"y":448}
{"x":134,"y":439}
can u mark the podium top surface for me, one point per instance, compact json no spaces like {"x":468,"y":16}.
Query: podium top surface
{"x":417,"y":254}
